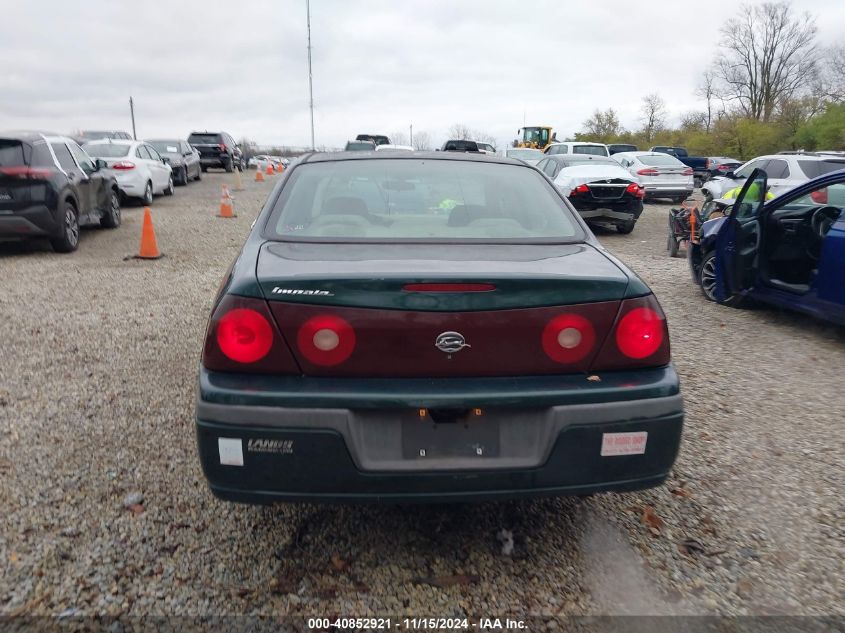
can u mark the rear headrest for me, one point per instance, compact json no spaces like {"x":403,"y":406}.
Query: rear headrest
{"x":347,"y":205}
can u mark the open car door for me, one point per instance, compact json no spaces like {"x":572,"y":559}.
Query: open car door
{"x":738,"y":240}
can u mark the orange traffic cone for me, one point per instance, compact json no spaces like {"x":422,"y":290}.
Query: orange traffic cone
{"x":227,"y":204}
{"x":149,"y":247}
{"x":279,"y":168}
{"x":269,"y":169}
{"x":259,"y":176}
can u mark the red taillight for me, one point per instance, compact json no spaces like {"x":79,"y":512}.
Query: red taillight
{"x":123,"y":165}
{"x":448,"y":287}
{"x":640,"y":333}
{"x":687,"y":172}
{"x":648,"y":172}
{"x":326,"y":340}
{"x":242,"y":337}
{"x":819,"y":196}
{"x":25,"y":173}
{"x":635,"y":190}
{"x":707,"y":163}
{"x":568,"y":338}
{"x":222,"y":147}
{"x":640,"y":337}
{"x":579,"y":189}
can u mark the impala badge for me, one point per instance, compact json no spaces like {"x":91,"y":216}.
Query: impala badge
{"x":450,"y":342}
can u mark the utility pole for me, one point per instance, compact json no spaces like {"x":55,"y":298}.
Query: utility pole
{"x":132,"y":112}
{"x":310,"y":77}
{"x":412,"y":135}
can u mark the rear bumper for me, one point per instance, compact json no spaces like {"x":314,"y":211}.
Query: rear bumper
{"x":34,"y":221}
{"x":609,"y":212}
{"x":216,"y":161}
{"x":350,"y":444}
{"x":671,"y":190}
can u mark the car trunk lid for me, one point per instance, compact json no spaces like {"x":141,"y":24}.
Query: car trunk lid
{"x":434,"y":310}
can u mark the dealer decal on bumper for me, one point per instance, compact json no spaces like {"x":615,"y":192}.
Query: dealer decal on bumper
{"x":231,"y":451}
{"x":623,"y":443}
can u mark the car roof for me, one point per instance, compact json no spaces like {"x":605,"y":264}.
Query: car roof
{"x":114,"y":141}
{"x":578,"y":143}
{"x":638,"y":153}
{"x":579,"y":158}
{"x":329,"y":157}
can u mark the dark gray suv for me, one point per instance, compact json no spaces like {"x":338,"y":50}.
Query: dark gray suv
{"x":217,"y":149}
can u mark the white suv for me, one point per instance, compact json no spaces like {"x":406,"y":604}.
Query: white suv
{"x":577,"y":147}
{"x":784,"y":171}
{"x":140,"y":170}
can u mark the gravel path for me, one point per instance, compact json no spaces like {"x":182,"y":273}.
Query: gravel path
{"x":105,"y":510}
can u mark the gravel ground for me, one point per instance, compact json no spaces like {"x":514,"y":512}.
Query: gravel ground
{"x":105,"y":509}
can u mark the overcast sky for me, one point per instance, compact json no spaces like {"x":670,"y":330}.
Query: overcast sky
{"x":379,"y":65}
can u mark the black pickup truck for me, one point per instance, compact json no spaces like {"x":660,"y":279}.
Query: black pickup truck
{"x":698,"y":163}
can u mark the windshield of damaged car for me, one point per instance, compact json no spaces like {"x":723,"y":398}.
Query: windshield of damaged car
{"x":106,"y":150}
{"x":420,"y":200}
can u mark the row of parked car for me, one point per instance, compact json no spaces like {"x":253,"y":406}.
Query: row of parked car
{"x":51,"y":185}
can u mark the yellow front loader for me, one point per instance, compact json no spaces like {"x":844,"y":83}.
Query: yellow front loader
{"x":537,"y":137}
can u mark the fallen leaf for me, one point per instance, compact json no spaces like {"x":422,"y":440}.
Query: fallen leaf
{"x":681,"y":492}
{"x":13,"y":557}
{"x":137,"y":509}
{"x":446,"y":581}
{"x":650,"y":518}
{"x":690,"y":548}
{"x":744,"y":588}
{"x":338,"y":563}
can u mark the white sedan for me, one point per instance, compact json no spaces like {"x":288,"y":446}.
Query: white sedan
{"x":139,"y":169}
{"x":661,"y":175}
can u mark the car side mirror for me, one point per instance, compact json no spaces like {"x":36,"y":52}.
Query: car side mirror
{"x":165,"y":160}
{"x":99,"y":164}
{"x":730,"y":175}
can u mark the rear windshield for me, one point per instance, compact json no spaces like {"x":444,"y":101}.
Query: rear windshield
{"x":166,"y":147}
{"x":204,"y":139}
{"x":359,"y":146}
{"x":816,"y":168}
{"x":420,"y":200}
{"x":11,"y":153}
{"x":660,"y":160}
{"x":571,"y":161}
{"x":106,"y":150}
{"x":525,"y":154}
{"x":461,"y":146}
{"x":616,"y":149}
{"x":595,"y":150}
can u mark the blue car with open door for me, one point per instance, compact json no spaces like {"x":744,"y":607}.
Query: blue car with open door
{"x":789,"y":251}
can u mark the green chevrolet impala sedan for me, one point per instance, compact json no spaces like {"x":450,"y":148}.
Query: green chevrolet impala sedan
{"x":431,"y":327}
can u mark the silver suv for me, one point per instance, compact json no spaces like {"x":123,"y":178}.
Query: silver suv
{"x":784,"y":172}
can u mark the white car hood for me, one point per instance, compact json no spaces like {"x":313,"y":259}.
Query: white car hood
{"x":571,"y":177}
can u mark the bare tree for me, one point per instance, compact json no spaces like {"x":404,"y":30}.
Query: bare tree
{"x":654,"y":115}
{"x":768,"y":55}
{"x":698,"y":121}
{"x":399,"y":138}
{"x":459,"y":131}
{"x":603,"y":126}
{"x":707,"y":91}
{"x":422,"y":141}
{"x":483,"y":137}
{"x":832,"y":78}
